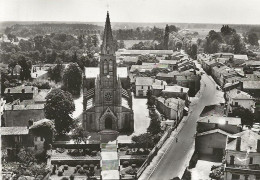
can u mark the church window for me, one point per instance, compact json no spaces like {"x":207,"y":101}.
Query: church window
{"x":105,"y":67}
{"x":110,"y":65}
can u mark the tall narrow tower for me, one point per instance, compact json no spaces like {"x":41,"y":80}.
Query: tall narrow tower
{"x":106,"y":106}
{"x":110,"y":93}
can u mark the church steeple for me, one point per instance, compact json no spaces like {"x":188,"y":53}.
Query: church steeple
{"x":108,"y":46}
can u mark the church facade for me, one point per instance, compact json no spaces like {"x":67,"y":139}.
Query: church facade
{"x":106,"y":104}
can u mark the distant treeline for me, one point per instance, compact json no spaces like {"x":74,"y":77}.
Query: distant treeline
{"x":139,"y":33}
{"x":31,"y":30}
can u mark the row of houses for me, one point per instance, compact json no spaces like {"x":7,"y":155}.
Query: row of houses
{"x":24,"y":108}
{"x":223,"y":136}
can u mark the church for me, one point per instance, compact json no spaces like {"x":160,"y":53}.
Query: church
{"x":106,"y":104}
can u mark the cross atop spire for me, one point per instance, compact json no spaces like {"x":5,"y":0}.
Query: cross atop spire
{"x":108,"y":46}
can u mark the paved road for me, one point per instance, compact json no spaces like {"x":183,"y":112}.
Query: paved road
{"x":172,"y":162}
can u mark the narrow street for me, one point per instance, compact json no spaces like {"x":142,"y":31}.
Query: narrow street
{"x":174,"y":159}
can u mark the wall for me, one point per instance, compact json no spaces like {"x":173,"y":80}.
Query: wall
{"x":206,"y":143}
{"x":21,"y":117}
{"x":228,"y":176}
{"x":242,"y":155}
{"x":246,"y":103}
{"x":141,"y":88}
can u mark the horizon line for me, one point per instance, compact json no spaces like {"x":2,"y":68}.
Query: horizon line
{"x":64,"y":21}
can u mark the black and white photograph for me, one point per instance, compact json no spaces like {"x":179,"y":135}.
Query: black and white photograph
{"x":130,"y":89}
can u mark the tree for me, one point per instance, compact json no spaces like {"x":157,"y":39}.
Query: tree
{"x":247,"y":117}
{"x":121,"y":44}
{"x":226,"y":30}
{"x":26,"y":156}
{"x":58,"y":107}
{"x":44,"y":128}
{"x":143,"y":140}
{"x":194,"y":49}
{"x":214,"y":46}
{"x":166,"y":36}
{"x":78,"y":135}
{"x":56,"y":72}
{"x":253,"y":39}
{"x":25,"y":72}
{"x":95,"y":40}
{"x":75,"y":57}
{"x":72,"y":79}
{"x":238,"y":44}
{"x":11,"y":66}
{"x":155,"y":124}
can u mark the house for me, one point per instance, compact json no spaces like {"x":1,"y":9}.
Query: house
{"x":236,"y":98}
{"x":240,"y":57}
{"x":221,"y":73}
{"x":214,"y":110}
{"x":172,"y":64}
{"x":185,"y":65}
{"x":252,"y":88}
{"x":223,"y":55}
{"x":18,"y":115}
{"x":143,"y":84}
{"x":212,"y":132}
{"x":208,"y":65}
{"x":16,"y":137}
{"x":20,"y":92}
{"x":40,"y":97}
{"x":175,"y":92}
{"x":128,"y":60}
{"x":130,"y":52}
{"x":168,"y":77}
{"x":172,"y":108}
{"x":192,"y":82}
{"x":242,"y":156}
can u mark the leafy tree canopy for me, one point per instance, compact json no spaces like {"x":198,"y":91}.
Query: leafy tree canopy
{"x":59,"y":107}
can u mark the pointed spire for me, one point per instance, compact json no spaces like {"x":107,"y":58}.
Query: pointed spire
{"x":107,"y":46}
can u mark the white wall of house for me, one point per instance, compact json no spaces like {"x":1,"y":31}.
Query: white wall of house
{"x":239,"y":157}
{"x":228,"y":176}
{"x":246,"y":103}
{"x":141,"y":90}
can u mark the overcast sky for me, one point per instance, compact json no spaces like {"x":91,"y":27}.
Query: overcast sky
{"x":194,"y":11}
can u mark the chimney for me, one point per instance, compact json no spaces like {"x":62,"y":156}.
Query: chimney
{"x":238,"y":144}
{"x":32,"y":88}
{"x":12,"y":107}
{"x":30,"y":123}
{"x":258,"y":145}
{"x":161,"y":82}
{"x":226,"y":122}
{"x":208,"y":121}
{"x":164,"y":87}
{"x":39,"y":90}
{"x":23,"y":90}
{"x":9,"y":90}
{"x":181,"y":90}
{"x":238,"y":91}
